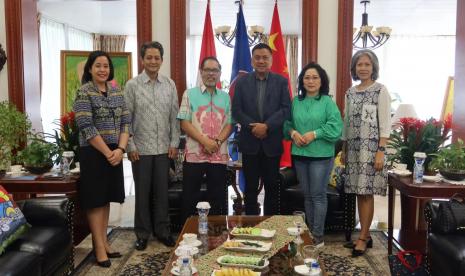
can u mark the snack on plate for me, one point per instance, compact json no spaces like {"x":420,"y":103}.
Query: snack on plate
{"x":241,"y":244}
{"x":238,"y":260}
{"x":235,"y":272}
{"x":247,"y":231}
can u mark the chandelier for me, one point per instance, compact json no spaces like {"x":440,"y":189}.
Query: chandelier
{"x":224,"y":34}
{"x":365,"y":36}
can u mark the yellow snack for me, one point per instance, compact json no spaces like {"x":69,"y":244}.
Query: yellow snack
{"x":234,"y":272}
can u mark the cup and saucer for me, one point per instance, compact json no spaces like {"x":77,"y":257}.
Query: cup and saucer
{"x":190,"y":239}
{"x":177,"y":267}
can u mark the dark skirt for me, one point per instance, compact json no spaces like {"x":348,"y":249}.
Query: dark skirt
{"x":100,"y":182}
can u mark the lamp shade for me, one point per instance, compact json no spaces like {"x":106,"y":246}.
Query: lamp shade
{"x":403,"y":111}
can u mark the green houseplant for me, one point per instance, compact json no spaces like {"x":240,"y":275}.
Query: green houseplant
{"x":38,"y":155}
{"x":450,"y":161}
{"x":417,"y":135}
{"x":66,"y":137}
{"x":14,"y":128}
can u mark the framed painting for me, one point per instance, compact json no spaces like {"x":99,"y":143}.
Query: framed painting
{"x":72,"y":68}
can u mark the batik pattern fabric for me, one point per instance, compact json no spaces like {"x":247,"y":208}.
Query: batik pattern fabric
{"x":12,"y":221}
{"x":362,"y":135}
{"x":209,"y":113}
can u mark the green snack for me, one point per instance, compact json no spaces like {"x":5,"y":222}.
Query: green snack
{"x":256,"y":231}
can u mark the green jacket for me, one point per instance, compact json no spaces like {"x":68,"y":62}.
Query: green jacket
{"x":320,"y":115}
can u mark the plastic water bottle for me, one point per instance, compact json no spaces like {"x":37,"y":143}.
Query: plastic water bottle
{"x":66,"y":160}
{"x":203,"y":208}
{"x":185,"y":269}
{"x":418,"y":167}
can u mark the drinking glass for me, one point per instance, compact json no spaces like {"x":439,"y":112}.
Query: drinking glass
{"x":310,"y":255}
{"x":299,"y":220}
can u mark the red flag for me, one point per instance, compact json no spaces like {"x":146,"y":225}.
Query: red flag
{"x":208,"y":43}
{"x":279,"y":66}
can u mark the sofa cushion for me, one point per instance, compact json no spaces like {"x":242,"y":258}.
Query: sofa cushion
{"x":12,"y":221}
{"x":447,"y":254}
{"x":53,"y":244}
{"x":15,"y":263}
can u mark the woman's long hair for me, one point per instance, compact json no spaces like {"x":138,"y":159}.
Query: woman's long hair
{"x":324,"y":89}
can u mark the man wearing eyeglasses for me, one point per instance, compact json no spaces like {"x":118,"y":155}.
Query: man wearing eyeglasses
{"x":261,"y":104}
{"x":205,"y":115}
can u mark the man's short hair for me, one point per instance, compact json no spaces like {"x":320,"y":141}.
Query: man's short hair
{"x":262,"y":46}
{"x":152,"y":44}
{"x":202,"y":64}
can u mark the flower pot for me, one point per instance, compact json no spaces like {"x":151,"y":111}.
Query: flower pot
{"x":453,"y":175}
{"x":39,"y":169}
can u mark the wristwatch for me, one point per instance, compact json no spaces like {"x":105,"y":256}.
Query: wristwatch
{"x":122,"y":149}
{"x":381,"y":148}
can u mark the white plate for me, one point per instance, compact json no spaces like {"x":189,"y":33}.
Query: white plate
{"x":218,"y":270}
{"x":175,"y":270}
{"x":402,"y":172}
{"x":264,"y":234}
{"x":265,"y":246}
{"x":75,"y":170}
{"x":303,"y":270}
{"x":293,"y":231}
{"x":196,"y":243}
{"x":432,"y":178}
{"x":220,"y":261}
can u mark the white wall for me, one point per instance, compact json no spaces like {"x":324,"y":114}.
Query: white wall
{"x":327,"y":39}
{"x":3,"y":73}
{"x":161,"y":31}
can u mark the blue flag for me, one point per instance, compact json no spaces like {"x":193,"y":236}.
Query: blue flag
{"x":241,"y":65}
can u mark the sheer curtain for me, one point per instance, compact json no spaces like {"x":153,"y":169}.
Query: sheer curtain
{"x":54,"y":37}
{"x":416,"y":69}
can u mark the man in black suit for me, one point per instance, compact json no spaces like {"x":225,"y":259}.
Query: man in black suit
{"x":261,"y":104}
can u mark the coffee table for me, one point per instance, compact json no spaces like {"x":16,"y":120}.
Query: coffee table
{"x":219,"y":228}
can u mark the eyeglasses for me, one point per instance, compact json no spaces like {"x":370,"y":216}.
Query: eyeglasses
{"x":211,"y":71}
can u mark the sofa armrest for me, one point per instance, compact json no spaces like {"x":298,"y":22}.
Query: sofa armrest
{"x":431,"y":214}
{"x":287,"y":177}
{"x":48,"y":211}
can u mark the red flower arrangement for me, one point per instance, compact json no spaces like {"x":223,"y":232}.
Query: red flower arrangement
{"x":68,"y":137}
{"x":418,"y":135}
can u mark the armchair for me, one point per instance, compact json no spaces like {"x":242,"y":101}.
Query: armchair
{"x":446,"y":253}
{"x":340,"y":214}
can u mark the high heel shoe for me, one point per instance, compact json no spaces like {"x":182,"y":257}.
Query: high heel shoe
{"x":358,"y":252}
{"x":115,"y":254}
{"x":351,"y":244}
{"x":106,"y":263}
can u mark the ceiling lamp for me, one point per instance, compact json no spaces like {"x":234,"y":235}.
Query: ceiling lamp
{"x":365,"y":38}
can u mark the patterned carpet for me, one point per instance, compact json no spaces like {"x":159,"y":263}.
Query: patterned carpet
{"x":337,"y":259}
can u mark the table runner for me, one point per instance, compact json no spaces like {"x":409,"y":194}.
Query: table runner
{"x":207,"y":263}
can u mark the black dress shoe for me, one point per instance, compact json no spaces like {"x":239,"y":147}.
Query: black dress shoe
{"x":105,"y":263}
{"x":141,"y":244}
{"x":351,"y":244}
{"x":115,"y":254}
{"x":168,"y":241}
{"x":359,"y":252}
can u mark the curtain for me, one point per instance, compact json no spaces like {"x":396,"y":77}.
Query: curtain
{"x":291,"y":47}
{"x":109,"y":43}
{"x":415,"y":69}
{"x":52,"y":41}
{"x":79,"y":40}
{"x":54,"y":37}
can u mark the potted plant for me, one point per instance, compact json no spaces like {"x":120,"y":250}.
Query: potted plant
{"x":450,"y":161}
{"x":417,"y":135}
{"x":38,"y":155}
{"x":14,"y":128}
{"x":66,"y":136}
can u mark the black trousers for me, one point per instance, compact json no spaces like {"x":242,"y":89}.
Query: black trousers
{"x":151,"y":176}
{"x":258,"y":166}
{"x":193,"y":175}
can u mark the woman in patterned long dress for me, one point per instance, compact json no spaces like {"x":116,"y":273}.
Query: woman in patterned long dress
{"x":366,"y":130}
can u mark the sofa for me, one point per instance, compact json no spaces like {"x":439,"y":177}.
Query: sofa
{"x":445,"y":253}
{"x":46,"y":248}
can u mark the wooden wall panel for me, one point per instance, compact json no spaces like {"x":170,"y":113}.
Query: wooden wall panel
{"x":459,"y":86}
{"x":178,"y":44}
{"x":344,"y":50}
{"x":22,"y":33}
{"x":144,"y":26}
{"x":309,"y":31}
